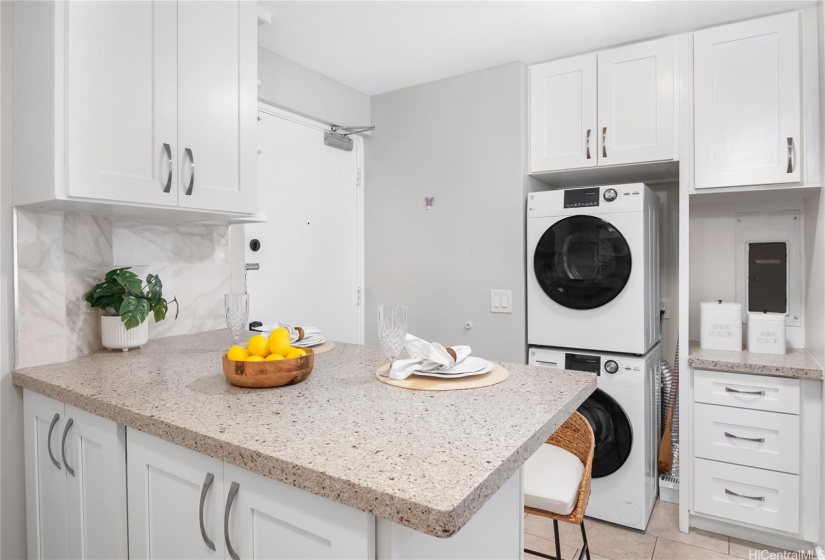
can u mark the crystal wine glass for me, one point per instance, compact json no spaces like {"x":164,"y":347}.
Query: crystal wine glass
{"x":392,"y":329}
{"x":237,"y":313}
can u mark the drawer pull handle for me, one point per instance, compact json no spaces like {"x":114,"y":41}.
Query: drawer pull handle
{"x":233,"y":491}
{"x":588,"y":143}
{"x":754,"y":439}
{"x":604,"y":142}
{"x":69,"y":469}
{"x":207,"y":483}
{"x":756,"y":498}
{"x":741,"y":392}
{"x":791,"y":153}
{"x":168,"y":149}
{"x":49,"y":441}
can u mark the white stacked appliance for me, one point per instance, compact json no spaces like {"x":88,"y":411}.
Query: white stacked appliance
{"x":593,"y":305}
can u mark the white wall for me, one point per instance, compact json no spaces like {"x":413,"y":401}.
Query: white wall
{"x":460,"y":140}
{"x":288,"y":85}
{"x":12,"y":497}
{"x":816,"y":325}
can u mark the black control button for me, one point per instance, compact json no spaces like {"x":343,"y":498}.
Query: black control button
{"x":254,"y":244}
{"x":610,"y":195}
{"x":610,"y":366}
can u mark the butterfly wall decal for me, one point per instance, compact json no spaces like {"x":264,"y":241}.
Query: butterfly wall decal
{"x":429,"y":201}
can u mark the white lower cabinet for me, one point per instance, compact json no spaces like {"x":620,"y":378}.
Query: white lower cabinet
{"x":269,"y":519}
{"x":75,"y":482}
{"x":186,"y":505}
{"x":175,"y":501}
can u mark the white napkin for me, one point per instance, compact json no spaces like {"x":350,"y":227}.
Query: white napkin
{"x":426,"y":356}
{"x":293,"y":332}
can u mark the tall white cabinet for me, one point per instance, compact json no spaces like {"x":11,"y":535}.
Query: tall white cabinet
{"x":75,"y":473}
{"x":608,"y":108}
{"x":747,"y":102}
{"x":147,"y":103}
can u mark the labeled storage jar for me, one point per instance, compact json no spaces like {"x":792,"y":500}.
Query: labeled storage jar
{"x":766,"y":333}
{"x":721,"y":324}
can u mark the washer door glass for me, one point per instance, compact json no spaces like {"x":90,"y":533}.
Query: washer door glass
{"x":612,"y":431}
{"x":582,"y":262}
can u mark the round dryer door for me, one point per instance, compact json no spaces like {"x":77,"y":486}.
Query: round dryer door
{"x":582,"y":262}
{"x":612,"y":430}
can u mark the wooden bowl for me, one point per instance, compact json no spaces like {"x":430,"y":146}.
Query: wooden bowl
{"x":276,"y":373}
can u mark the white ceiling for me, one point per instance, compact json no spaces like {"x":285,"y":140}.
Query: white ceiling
{"x":381,"y":46}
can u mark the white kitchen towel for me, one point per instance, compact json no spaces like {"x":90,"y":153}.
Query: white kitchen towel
{"x":426,"y":356}
{"x":293,"y":332}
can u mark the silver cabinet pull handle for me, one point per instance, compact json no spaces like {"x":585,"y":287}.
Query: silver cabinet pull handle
{"x":49,"y":441}
{"x":739,"y":391}
{"x":69,"y":469}
{"x":168,"y":149}
{"x":192,"y":178}
{"x":791,"y":162}
{"x":732,"y":493}
{"x":205,"y":490}
{"x":233,"y":491}
{"x":587,"y":144}
{"x":754,"y":439}
{"x":604,"y":142}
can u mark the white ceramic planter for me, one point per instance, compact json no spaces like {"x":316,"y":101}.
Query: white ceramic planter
{"x":114,"y":335}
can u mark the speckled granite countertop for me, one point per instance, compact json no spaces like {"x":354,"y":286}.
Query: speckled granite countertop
{"x":796,"y":363}
{"x":427,"y":460}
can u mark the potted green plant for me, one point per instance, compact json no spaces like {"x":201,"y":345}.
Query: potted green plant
{"x":125,"y":303}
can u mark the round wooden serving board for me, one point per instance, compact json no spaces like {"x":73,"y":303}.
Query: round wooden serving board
{"x":420,"y":383}
{"x":323,"y":347}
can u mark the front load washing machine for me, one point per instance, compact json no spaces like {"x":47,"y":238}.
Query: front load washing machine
{"x":624,"y":415}
{"x":593,"y":268}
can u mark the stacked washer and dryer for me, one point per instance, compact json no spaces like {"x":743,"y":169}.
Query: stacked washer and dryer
{"x":593,"y":305}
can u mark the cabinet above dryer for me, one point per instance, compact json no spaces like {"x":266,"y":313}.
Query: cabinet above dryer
{"x":614,"y":107}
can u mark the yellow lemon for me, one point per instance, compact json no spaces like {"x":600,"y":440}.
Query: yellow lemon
{"x":279,"y":341}
{"x":254,"y":358}
{"x":296,"y":353}
{"x":237,"y":354}
{"x":273,"y":357}
{"x":258,"y":345}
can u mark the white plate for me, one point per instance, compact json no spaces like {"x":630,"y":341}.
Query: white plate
{"x":471,"y":365}
{"x":312,"y":340}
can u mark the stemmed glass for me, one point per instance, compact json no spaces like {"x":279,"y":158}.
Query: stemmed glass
{"x":237,"y":313}
{"x":392,"y":329}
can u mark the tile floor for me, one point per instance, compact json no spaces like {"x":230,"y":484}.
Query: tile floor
{"x":661,"y":541}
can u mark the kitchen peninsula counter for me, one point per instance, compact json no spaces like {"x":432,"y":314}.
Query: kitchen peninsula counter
{"x":422,"y":459}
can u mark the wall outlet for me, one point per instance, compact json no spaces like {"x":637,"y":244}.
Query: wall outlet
{"x":664,"y":308}
{"x":501,"y":301}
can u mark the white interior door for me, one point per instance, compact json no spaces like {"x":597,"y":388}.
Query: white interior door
{"x":309,"y":258}
{"x":122,"y":110}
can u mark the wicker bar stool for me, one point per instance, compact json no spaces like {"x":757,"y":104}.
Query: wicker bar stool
{"x":557,"y":479}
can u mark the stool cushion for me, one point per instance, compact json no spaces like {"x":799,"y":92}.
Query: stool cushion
{"x":552,"y":477}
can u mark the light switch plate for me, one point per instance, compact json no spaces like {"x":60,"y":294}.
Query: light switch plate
{"x":501,"y":301}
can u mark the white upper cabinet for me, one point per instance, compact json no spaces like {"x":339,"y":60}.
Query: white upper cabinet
{"x":141,"y":103}
{"x":636,"y":100}
{"x":747,"y":102}
{"x":563,"y":114}
{"x":122,"y":106}
{"x":217,"y":104}
{"x":608,"y":108}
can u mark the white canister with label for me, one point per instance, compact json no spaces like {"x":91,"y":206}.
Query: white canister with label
{"x":721,"y":324}
{"x":766,"y":333}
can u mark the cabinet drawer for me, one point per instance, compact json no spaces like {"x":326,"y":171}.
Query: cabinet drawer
{"x":752,"y":438}
{"x":773,"y":394}
{"x":747,"y":495}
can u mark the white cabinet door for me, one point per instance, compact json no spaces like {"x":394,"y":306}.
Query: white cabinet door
{"x":636,"y":122}
{"x":747,"y":102}
{"x":175,"y":501}
{"x":268,"y":519}
{"x":563,"y":114}
{"x":121,"y":82}
{"x":217,"y":97}
{"x":95,"y":464}
{"x":46,"y":513}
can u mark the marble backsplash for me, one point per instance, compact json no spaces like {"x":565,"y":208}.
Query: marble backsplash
{"x":60,"y":255}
